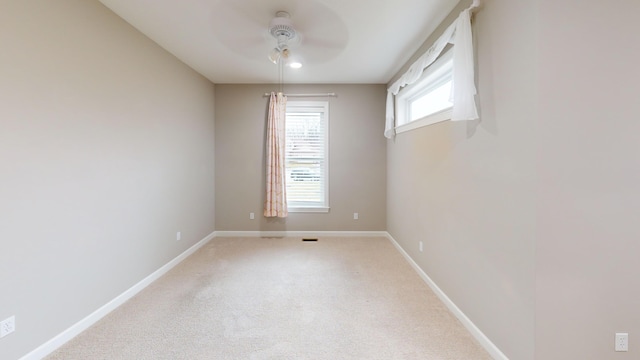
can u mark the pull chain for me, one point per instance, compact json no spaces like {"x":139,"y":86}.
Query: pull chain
{"x":281,"y":74}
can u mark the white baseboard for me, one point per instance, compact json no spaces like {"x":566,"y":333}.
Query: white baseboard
{"x":491,"y":348}
{"x":301,"y":233}
{"x":62,"y":338}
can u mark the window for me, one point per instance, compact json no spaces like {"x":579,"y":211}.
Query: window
{"x":427,"y":102}
{"x":306,"y":156}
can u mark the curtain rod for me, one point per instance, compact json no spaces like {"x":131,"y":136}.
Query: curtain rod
{"x":308,"y":95}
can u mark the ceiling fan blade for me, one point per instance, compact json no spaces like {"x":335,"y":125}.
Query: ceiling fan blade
{"x":323,"y":35}
{"x":249,"y":36}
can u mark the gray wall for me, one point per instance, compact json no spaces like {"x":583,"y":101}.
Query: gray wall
{"x":587,"y":273}
{"x":106,"y":151}
{"x":356,"y":150}
{"x":529,"y":217}
{"x":468,"y":189}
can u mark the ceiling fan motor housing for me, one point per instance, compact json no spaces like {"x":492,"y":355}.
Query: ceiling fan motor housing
{"x":281,"y":28}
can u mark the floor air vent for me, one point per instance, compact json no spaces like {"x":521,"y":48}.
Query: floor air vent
{"x":310,"y":239}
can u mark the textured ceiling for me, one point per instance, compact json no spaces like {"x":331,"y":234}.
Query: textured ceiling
{"x":341,"y":41}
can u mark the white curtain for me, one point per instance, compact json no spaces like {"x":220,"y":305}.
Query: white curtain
{"x":275,"y":204}
{"x":464,"y":89}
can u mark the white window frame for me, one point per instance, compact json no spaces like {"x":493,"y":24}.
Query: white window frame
{"x":437,"y":74}
{"x":323,"y":108}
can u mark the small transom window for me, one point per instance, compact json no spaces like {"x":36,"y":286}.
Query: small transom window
{"x":427,"y":101}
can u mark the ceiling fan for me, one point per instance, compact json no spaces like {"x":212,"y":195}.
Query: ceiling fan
{"x":319,"y":34}
{"x":281,"y":28}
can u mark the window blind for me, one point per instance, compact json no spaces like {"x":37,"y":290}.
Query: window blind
{"x":306,"y":155}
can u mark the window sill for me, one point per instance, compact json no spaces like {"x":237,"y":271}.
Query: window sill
{"x":441,"y":116}
{"x":308,"y":209}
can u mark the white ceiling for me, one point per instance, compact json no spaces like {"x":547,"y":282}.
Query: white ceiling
{"x":342,"y":41}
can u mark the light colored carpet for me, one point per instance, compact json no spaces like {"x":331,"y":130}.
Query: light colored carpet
{"x":281,"y":298}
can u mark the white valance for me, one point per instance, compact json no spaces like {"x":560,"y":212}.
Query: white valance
{"x":463,"y":90}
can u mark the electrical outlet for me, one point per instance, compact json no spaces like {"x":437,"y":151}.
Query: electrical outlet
{"x":252,"y":216}
{"x":622,"y":341}
{"x":7,"y":326}
{"x":355,"y":216}
{"x":421,"y":248}
{"x":178,"y":236}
